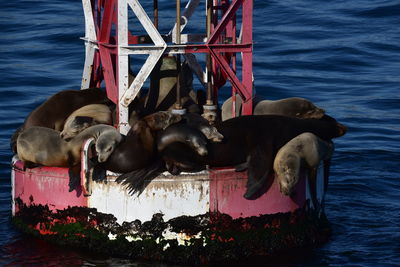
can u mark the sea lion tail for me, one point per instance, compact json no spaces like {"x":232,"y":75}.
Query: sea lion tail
{"x":137,"y":180}
{"x":13,"y":140}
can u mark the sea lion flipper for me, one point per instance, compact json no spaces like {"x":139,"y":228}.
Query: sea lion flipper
{"x":241,"y":167}
{"x":137,"y":180}
{"x":98,"y":172}
{"x":74,"y":177}
{"x":312,"y":180}
{"x":14,"y":137}
{"x":172,"y":168}
{"x":259,"y":167}
{"x":327,"y":164}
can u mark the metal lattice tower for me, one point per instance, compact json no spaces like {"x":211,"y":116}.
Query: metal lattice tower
{"x":109,"y":43}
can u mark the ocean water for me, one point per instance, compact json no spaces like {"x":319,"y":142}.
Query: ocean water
{"x":342,"y":55}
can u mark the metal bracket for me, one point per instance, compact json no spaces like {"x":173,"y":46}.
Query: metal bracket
{"x":86,"y":169}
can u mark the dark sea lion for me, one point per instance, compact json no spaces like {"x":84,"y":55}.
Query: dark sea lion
{"x":44,"y":146}
{"x":193,"y":131}
{"x":55,"y":110}
{"x":135,"y":150}
{"x":292,"y":107}
{"x":197,"y":121}
{"x":138,"y":148}
{"x":253,"y":140}
{"x":137,"y":156}
{"x":305,"y":150}
{"x":185,"y":134}
{"x":85,"y":117}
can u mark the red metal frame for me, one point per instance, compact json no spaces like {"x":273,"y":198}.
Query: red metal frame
{"x":223,"y":53}
{"x":105,"y":63}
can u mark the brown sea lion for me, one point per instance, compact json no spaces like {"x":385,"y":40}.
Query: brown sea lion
{"x":292,"y":107}
{"x":44,"y":146}
{"x":161,"y":120}
{"x":305,"y":150}
{"x":85,"y":117}
{"x":55,"y":110}
{"x":253,"y":140}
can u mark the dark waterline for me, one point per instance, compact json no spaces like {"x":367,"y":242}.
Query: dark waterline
{"x":342,"y":55}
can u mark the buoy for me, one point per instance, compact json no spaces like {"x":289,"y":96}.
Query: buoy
{"x":191,"y":218}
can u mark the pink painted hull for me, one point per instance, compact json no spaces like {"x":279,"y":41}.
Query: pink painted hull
{"x":45,"y":186}
{"x":227,"y":188}
{"x":218,"y":190}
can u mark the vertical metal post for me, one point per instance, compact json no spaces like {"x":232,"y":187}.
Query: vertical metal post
{"x":210,"y":108}
{"x":209,"y":63}
{"x":247,"y":58}
{"x":155,"y":7}
{"x":122,"y":67}
{"x":178,"y":104}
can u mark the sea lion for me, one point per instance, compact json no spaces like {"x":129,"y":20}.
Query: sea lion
{"x":55,"y":110}
{"x":161,"y":120}
{"x":85,"y":117}
{"x":193,"y":130}
{"x":138,"y":147}
{"x":253,"y":140}
{"x":293,"y":107}
{"x":305,"y":150}
{"x":197,"y":121}
{"x":44,"y":146}
{"x":183,"y":133}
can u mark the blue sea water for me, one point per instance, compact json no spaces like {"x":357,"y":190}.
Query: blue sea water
{"x":342,"y":55}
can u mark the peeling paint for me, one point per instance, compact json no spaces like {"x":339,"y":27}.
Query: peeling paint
{"x":173,"y":195}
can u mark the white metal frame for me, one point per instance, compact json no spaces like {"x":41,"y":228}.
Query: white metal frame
{"x":90,"y":43}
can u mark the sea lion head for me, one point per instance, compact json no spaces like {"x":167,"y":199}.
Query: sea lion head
{"x":288,"y":174}
{"x":339,"y":129}
{"x":199,"y":122}
{"x":199,"y":144}
{"x":73,"y":127}
{"x":307,"y":110}
{"x":106,"y":143}
{"x":211,"y":133}
{"x":161,"y":120}
{"x":314,"y":113}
